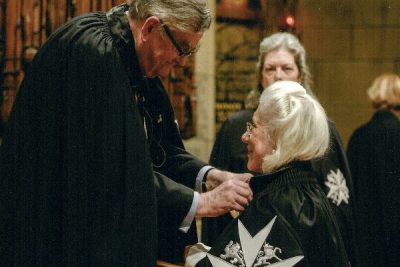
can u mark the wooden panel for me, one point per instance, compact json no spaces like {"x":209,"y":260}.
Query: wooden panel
{"x":11,"y":71}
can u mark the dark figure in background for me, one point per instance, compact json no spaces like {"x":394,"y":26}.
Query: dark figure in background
{"x":77,"y":185}
{"x":290,"y":221}
{"x":1,"y":130}
{"x":374,"y":157}
{"x":282,"y":57}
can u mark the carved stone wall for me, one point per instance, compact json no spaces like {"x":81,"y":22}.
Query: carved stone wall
{"x":349,"y":43}
{"x":236,"y":57}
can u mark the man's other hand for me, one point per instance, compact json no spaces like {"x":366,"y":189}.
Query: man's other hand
{"x":233,"y":194}
{"x":215,"y":177}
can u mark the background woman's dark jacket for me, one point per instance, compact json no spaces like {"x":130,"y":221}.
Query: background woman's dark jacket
{"x":374,"y":157}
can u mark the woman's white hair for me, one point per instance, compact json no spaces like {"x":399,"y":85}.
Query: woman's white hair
{"x":296,"y":123}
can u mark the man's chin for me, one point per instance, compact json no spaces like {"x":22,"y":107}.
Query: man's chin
{"x":163,"y":76}
{"x":162,"y":73}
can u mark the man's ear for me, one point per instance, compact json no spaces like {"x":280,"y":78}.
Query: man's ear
{"x":149,"y":26}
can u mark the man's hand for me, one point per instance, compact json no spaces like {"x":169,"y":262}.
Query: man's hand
{"x":230,"y":195}
{"x":216,"y":177}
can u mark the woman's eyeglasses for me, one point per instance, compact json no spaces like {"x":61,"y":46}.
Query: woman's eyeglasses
{"x":249,"y":127}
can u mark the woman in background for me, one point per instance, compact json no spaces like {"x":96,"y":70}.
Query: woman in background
{"x":374,"y":157}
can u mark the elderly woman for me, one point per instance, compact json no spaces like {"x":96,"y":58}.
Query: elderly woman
{"x":290,"y":220}
{"x":374,"y":157}
{"x":282,"y":57}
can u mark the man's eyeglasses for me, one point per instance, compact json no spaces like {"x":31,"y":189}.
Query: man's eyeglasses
{"x":175,"y":43}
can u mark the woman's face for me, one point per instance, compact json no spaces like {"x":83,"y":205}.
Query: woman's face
{"x":279,"y":65}
{"x":259,"y":143}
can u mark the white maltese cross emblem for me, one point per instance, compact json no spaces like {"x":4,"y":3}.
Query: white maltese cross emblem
{"x":255,"y":251}
{"x":338,"y":191}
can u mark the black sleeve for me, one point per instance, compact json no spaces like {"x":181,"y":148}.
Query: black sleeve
{"x":173,"y":199}
{"x":167,"y":150}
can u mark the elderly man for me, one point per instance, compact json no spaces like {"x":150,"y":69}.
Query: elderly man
{"x":91,"y":120}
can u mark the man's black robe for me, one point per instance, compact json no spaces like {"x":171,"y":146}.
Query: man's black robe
{"x":77,"y":186}
{"x":168,"y":154}
{"x":169,"y":158}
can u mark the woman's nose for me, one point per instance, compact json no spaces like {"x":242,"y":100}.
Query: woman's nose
{"x":245,"y":137}
{"x":278,"y":74}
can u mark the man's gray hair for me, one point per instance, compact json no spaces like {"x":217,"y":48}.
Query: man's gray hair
{"x":181,"y":15}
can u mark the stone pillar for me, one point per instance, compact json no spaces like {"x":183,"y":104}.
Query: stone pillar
{"x":204,"y":79}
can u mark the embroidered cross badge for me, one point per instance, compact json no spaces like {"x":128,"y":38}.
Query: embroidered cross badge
{"x":338,"y":191}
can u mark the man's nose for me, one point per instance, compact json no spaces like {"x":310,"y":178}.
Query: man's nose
{"x":181,"y":61}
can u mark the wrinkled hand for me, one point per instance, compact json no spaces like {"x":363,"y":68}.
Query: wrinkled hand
{"x":230,"y":195}
{"x":216,"y":177}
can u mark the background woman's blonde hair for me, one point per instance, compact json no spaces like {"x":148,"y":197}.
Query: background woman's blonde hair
{"x":384,"y":92}
{"x":296,"y":123}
